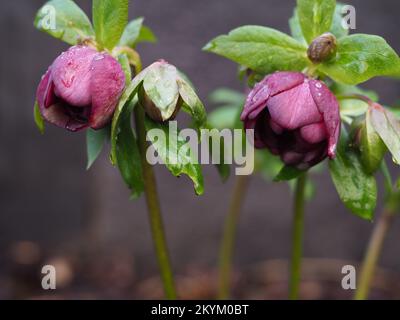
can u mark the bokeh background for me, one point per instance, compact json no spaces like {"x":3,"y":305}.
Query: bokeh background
{"x":52,"y":209}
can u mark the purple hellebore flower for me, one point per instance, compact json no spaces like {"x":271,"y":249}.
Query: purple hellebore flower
{"x":295,"y":117}
{"x":81,"y":89}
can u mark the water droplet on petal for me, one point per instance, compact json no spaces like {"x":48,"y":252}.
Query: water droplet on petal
{"x":99,"y":57}
{"x":318,"y":85}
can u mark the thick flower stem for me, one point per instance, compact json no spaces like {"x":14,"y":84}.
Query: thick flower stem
{"x":297,"y":237}
{"x":154,"y":210}
{"x":372,"y":255}
{"x":228,"y":240}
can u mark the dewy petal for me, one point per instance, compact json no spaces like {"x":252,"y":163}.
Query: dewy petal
{"x":256,"y":100}
{"x":106,"y":87}
{"x":53,"y":109}
{"x":45,"y":92}
{"x":328,"y":106}
{"x":268,"y":87}
{"x":57,"y":115}
{"x":314,"y":133}
{"x":71,"y":75}
{"x":291,"y":158}
{"x":294,"y":108}
{"x":282,"y":81}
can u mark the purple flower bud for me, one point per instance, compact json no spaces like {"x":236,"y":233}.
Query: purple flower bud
{"x":81,"y":89}
{"x":294,"y":117}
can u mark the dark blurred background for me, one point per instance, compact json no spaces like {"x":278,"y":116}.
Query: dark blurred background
{"x":52,"y":208}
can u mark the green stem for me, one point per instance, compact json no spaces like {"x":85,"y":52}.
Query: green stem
{"x":154,"y":210}
{"x":355,"y":96}
{"x":297,"y":238}
{"x":228,"y":240}
{"x":372,"y":255}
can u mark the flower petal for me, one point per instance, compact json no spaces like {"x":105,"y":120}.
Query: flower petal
{"x":314,"y":133}
{"x":256,"y":100}
{"x":328,"y":106}
{"x":71,"y":75}
{"x":53,"y":109}
{"x":282,"y":81}
{"x":268,"y":87}
{"x":45,"y":92}
{"x":294,"y":108}
{"x":292,"y":158}
{"x":106,"y":87}
{"x":56,"y":114}
{"x":275,"y":127}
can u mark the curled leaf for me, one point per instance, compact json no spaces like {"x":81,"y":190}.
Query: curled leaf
{"x":64,"y":20}
{"x":388,"y":128}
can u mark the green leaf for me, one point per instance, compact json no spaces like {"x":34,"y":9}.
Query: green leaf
{"x":344,"y":89}
{"x":224,"y":171}
{"x":110,"y":18}
{"x":359,"y":58}
{"x":388,"y":181}
{"x":356,"y":189}
{"x":146,"y":35}
{"x":227,"y":115}
{"x":126,"y":67}
{"x":95,"y":140}
{"x":295,"y":28}
{"x":127,"y":153}
{"x":388,"y":128}
{"x":267,"y":164}
{"x":395,"y":73}
{"x":227,"y":97}
{"x":372,"y":147}
{"x":395,"y":111}
{"x":38,"y":118}
{"x":336,"y":29}
{"x":162,"y":88}
{"x":129,"y":93}
{"x":185,"y":77}
{"x":125,"y":148}
{"x":64,"y":20}
{"x":315,"y":17}
{"x":261,"y":49}
{"x":174,"y":152}
{"x":191,"y":103}
{"x":224,"y":117}
{"x":288,"y":173}
{"x":136,"y":32}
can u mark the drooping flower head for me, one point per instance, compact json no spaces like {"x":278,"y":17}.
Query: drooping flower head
{"x":295,"y":117}
{"x":81,"y":89}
